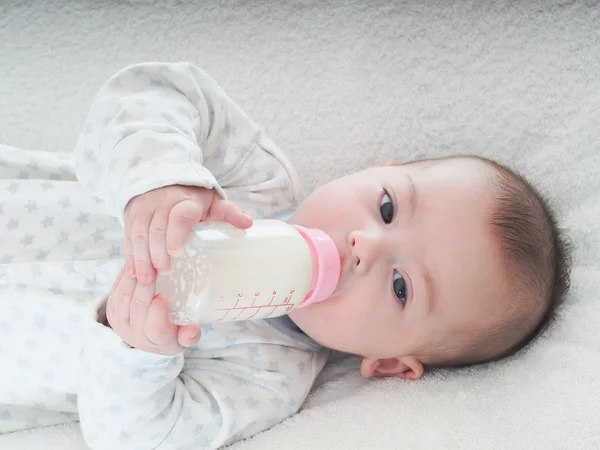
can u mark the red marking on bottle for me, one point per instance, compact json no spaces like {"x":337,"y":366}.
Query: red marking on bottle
{"x":255,"y":313}
{"x":258,"y":307}
{"x":236,"y":317}
{"x":269,"y":315}
{"x":223,"y":316}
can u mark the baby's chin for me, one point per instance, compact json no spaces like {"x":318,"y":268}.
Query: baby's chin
{"x":301,"y":317}
{"x":311,"y":322}
{"x":323,"y":324}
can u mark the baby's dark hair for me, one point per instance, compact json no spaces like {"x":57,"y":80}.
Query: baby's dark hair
{"x":537,"y":262}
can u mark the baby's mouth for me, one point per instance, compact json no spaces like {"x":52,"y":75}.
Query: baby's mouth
{"x":343,"y":271}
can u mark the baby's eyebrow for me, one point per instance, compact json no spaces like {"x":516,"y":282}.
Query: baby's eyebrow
{"x":429,"y":288}
{"x":427,"y":279}
{"x":412,"y":194}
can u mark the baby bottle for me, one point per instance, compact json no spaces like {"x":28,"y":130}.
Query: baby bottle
{"x":227,"y":274}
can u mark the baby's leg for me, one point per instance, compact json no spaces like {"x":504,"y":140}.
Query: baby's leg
{"x":39,"y":350}
{"x":59,"y":251}
{"x":19,"y":164}
{"x":18,"y":418}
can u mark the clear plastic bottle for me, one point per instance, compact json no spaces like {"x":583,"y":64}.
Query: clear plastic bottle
{"x":227,"y":274}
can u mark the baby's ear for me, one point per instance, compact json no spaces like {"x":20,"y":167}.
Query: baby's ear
{"x":405,"y":367}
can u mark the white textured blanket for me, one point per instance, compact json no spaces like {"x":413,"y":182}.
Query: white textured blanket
{"x":342,"y":85}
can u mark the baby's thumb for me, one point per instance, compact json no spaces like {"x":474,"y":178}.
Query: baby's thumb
{"x":188,"y":335}
{"x":225,"y":211}
{"x":182,"y":218}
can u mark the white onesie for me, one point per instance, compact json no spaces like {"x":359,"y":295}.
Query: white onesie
{"x":61,"y":217}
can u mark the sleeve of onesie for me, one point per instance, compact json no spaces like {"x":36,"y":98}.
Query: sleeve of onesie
{"x":158,"y":124}
{"x":154,"y":125}
{"x":131,"y":400}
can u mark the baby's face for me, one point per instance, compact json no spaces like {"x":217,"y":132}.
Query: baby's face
{"x":420,"y":268}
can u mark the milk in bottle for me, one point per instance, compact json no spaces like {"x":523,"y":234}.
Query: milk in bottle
{"x":227,"y":274}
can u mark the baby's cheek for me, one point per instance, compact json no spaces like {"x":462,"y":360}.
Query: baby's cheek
{"x":360,"y":308}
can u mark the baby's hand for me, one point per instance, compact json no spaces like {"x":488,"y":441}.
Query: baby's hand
{"x":141,"y":318}
{"x":159,"y":222}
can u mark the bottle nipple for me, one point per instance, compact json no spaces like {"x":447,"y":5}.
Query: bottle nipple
{"x":326,"y":260}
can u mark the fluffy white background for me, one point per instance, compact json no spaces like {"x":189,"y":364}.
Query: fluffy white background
{"x":342,"y":85}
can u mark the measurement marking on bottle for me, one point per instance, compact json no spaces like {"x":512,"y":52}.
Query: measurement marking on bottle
{"x":257,"y":307}
{"x":268,"y":315}
{"x":223,"y":317}
{"x":255,"y":313}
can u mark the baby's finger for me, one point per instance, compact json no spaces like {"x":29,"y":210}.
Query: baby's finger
{"x":111,"y":302}
{"x":141,"y":253}
{"x":129,"y":261}
{"x":115,"y":285}
{"x":138,"y":310}
{"x":122,"y":301}
{"x":188,"y":335}
{"x":182,"y":218}
{"x":161,"y":260}
{"x":225,"y":211}
{"x":158,"y":328}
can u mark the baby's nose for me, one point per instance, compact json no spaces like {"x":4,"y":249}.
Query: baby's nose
{"x":365,"y":248}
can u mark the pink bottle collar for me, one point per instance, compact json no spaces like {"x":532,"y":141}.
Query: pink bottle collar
{"x":327,"y":258}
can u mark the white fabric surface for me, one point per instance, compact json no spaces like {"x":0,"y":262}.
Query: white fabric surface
{"x":341,"y":85}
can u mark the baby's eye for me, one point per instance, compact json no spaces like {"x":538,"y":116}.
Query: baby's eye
{"x":400,"y":287}
{"x":386,"y":208}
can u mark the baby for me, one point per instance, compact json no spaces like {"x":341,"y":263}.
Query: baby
{"x":445,"y":262}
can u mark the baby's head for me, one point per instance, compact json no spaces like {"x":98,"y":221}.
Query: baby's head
{"x":445,"y":262}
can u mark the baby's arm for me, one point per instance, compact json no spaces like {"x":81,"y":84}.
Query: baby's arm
{"x":155,"y":124}
{"x":134,"y":400}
